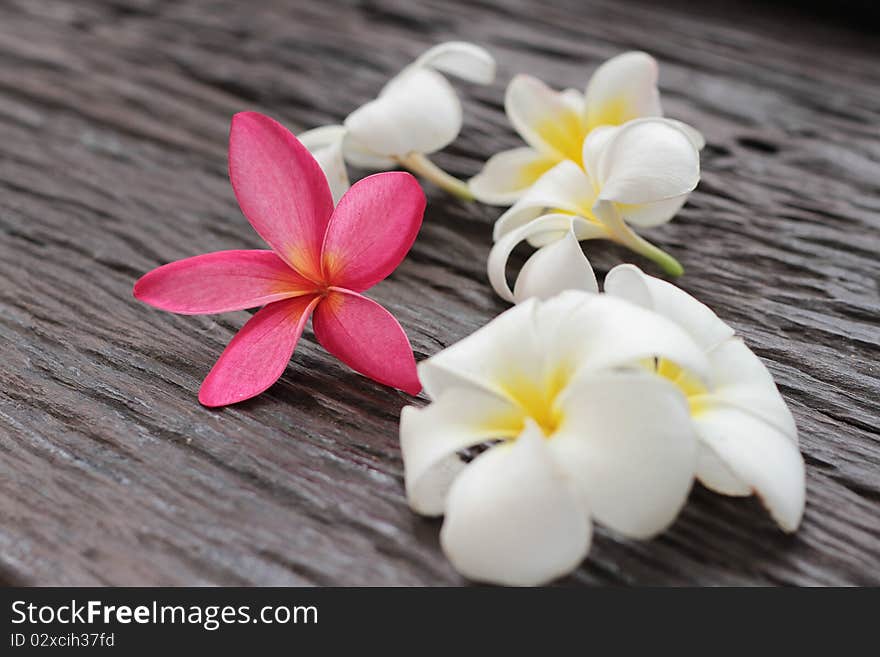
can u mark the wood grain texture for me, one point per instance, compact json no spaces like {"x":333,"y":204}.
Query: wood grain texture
{"x":113,"y":126}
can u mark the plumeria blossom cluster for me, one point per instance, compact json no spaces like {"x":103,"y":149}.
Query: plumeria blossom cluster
{"x":416,"y":113}
{"x":573,"y":407}
{"x":597,"y":164}
{"x":549,"y":386}
{"x":640,"y":172}
{"x":592,"y":407}
{"x":585,"y":406}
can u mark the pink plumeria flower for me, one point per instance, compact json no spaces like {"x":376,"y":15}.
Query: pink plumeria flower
{"x":321,"y":259}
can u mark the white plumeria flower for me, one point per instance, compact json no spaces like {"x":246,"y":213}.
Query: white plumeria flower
{"x":554,"y":124}
{"x":639,"y":173}
{"x":578,"y":429}
{"x":748,"y":437}
{"x":416,"y":113}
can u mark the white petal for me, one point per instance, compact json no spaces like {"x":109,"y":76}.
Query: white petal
{"x":554,"y":268}
{"x":594,"y":146}
{"x":461,"y":59}
{"x":321,"y":137}
{"x":714,"y":474}
{"x":505,"y":349}
{"x":508,"y":174}
{"x":606,"y":332}
{"x":564,"y":188}
{"x":574,"y":100}
{"x":546,"y":230}
{"x":325,"y":143}
{"x":553,"y":313}
{"x":417,"y":112}
{"x":628,"y":440}
{"x":696,"y":137}
{"x":647,"y":160}
{"x":644,"y":215}
{"x":514,"y":518}
{"x":547,"y":120}
{"x":740,"y":379}
{"x":358,"y":155}
{"x":622,"y":89}
{"x":648,"y":215}
{"x":630,"y":283}
{"x":431,"y":436}
{"x":760,"y":456}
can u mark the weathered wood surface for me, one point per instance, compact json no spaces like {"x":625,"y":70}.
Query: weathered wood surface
{"x":113,"y":127}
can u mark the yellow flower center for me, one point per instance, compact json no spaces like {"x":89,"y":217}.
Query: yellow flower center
{"x":614,"y":112}
{"x":692,"y":388}
{"x":537,"y":399}
{"x":565,"y":132}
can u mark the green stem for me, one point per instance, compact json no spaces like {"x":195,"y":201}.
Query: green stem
{"x":422,"y":166}
{"x":666,"y":262}
{"x":622,"y":233}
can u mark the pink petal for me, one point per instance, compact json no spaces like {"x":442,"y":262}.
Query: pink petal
{"x":367,"y":338}
{"x":221,"y":281}
{"x":373,"y":227}
{"x":281,"y":190}
{"x":259,"y":353}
